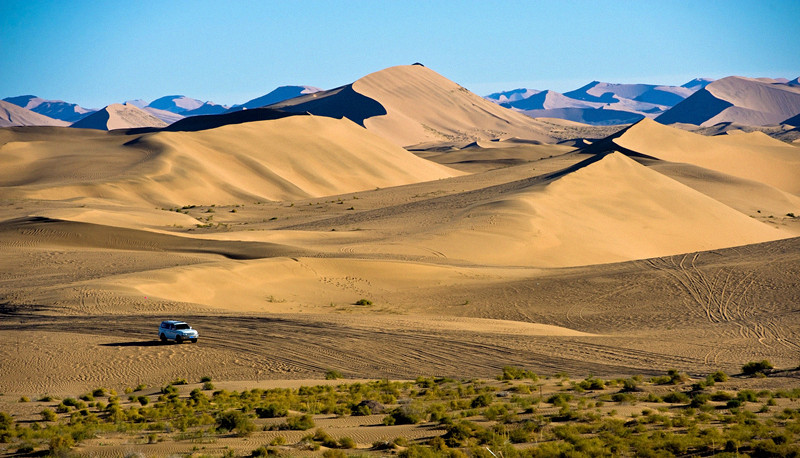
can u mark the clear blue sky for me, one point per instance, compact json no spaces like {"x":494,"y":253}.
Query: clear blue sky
{"x":98,"y":52}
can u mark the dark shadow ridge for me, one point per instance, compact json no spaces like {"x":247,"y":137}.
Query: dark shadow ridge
{"x":696,"y":109}
{"x":342,"y":102}
{"x":205,"y":122}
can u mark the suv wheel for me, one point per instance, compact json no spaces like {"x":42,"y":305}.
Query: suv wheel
{"x":179,"y":339}
{"x":194,"y":340}
{"x":163,"y":337}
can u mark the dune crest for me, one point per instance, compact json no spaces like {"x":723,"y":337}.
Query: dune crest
{"x":118,"y":116}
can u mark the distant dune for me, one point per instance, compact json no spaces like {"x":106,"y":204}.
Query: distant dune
{"x":14,"y":115}
{"x":753,"y":156}
{"x":117,"y":116}
{"x":736,"y":99}
{"x":277,"y":95}
{"x":290,"y":158}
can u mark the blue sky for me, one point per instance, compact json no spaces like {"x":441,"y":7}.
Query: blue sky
{"x":95,"y":53}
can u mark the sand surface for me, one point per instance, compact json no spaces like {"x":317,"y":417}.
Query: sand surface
{"x":652,"y":249}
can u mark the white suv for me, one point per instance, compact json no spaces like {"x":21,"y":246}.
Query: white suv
{"x":177,"y":331}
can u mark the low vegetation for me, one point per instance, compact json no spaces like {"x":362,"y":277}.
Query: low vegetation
{"x":518,"y":414}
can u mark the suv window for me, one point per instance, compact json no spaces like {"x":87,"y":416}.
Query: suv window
{"x":182,"y":326}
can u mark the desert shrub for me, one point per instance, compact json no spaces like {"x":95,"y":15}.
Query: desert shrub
{"x":205,"y":378}
{"x":235,"y":421}
{"x":347,"y":442}
{"x":747,"y":396}
{"x":363,"y":302}
{"x":208,"y":386}
{"x":333,"y":453}
{"x":99,"y":392}
{"x":61,"y":444}
{"x":25,"y":448}
{"x":718,"y":376}
{"x":260,"y":451}
{"x":560,"y":399}
{"x":592,"y":383}
{"x":179,"y":381}
{"x":333,"y":375}
{"x":271,"y":411}
{"x":459,"y":433}
{"x":46,"y":398}
{"x":405,"y":415}
{"x":516,"y":373}
{"x":482,"y":400}
{"x":24,"y":399}
{"x":721,"y":396}
{"x":300,"y":422}
{"x":143,"y":400}
{"x":6,"y":421}
{"x":676,"y":397}
{"x":278,"y":440}
{"x":48,"y":415}
{"x":140,"y":387}
{"x":757,"y":367}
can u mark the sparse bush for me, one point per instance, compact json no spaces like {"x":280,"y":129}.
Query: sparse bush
{"x":718,"y":376}
{"x":363,"y":302}
{"x":757,"y":367}
{"x":61,"y":444}
{"x":333,"y":453}
{"x":235,"y":421}
{"x":347,"y":442}
{"x":516,"y":373}
{"x":333,"y":375}
{"x":300,"y":422}
{"x":482,"y":400}
{"x":24,"y":399}
{"x":48,"y":415}
{"x":208,"y":386}
{"x":278,"y":440}
{"x":676,"y":397}
{"x":271,"y":411}
{"x":205,"y":379}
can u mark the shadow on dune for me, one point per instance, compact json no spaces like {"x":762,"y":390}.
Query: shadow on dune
{"x":336,"y":103}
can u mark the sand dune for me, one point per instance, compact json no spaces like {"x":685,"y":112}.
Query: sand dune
{"x":753,"y":156}
{"x":737,"y":99}
{"x":56,"y":109}
{"x":412,"y":104}
{"x":290,"y":158}
{"x":118,"y":116}
{"x":608,"y":210}
{"x":13,"y":115}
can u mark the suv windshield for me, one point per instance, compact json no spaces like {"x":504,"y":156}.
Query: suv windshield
{"x":182,"y":326}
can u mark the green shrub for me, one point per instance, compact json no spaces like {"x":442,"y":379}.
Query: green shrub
{"x":208,"y":386}
{"x":482,"y":400}
{"x":235,"y":421}
{"x":676,"y":397}
{"x":333,"y":375}
{"x":592,"y":383}
{"x":278,"y":440}
{"x":757,"y":367}
{"x":6,"y":421}
{"x":260,"y":451}
{"x":24,"y":399}
{"x":48,"y":415}
{"x":204,"y":379}
{"x":718,"y":376}
{"x":347,"y":442}
{"x":271,"y":411}
{"x":516,"y":373}
{"x":333,"y":453}
{"x":363,"y":302}
{"x":300,"y":422}
{"x":61,"y":444}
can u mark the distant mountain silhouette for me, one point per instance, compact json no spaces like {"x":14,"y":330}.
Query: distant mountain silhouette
{"x":512,"y":95}
{"x":14,"y":115}
{"x":593,"y":116}
{"x":748,"y":101}
{"x":176,"y":103}
{"x":56,"y":109}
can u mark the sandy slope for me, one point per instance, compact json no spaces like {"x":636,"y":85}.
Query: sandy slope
{"x":13,"y":115}
{"x":753,"y":156}
{"x":118,"y":116}
{"x":289,"y":158}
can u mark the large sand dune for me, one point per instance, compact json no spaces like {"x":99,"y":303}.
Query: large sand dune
{"x":412,"y":104}
{"x":289,"y":158}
